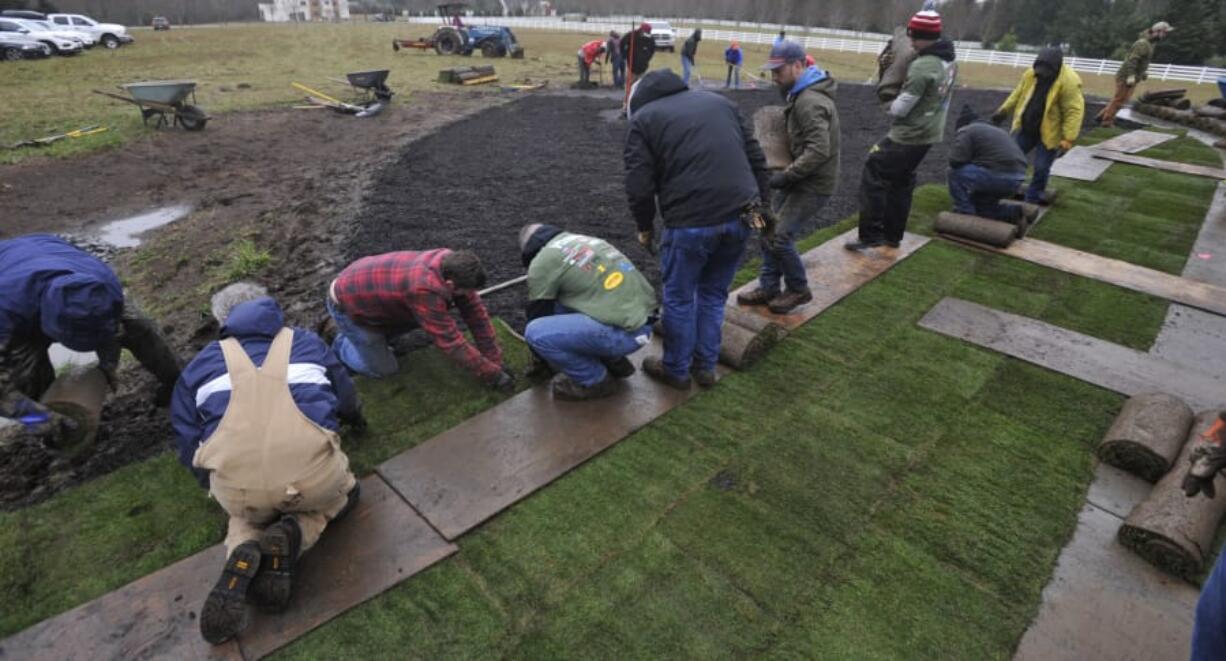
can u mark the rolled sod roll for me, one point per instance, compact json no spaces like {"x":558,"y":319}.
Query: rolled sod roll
{"x":899,"y":53}
{"x":746,"y":337}
{"x":1173,"y":532}
{"x":1147,"y":435}
{"x":78,"y":393}
{"x":771,"y":129}
{"x":980,"y":230}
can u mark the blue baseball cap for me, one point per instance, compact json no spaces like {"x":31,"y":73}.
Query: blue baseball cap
{"x":783,"y":53}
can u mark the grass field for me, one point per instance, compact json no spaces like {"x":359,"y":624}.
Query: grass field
{"x":871,"y":490}
{"x":251,"y":66}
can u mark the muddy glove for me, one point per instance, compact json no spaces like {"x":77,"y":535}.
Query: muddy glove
{"x":1206,"y":461}
{"x":758,"y":218}
{"x":647,"y":240}
{"x":780,"y":180}
{"x":1131,"y":81}
{"x":1000,"y":117}
{"x":504,"y":383}
{"x":49,"y":427}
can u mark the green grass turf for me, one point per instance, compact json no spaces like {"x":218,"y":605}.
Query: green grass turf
{"x":870,"y":490}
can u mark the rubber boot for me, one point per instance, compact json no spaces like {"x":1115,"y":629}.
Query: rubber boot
{"x":224,"y":614}
{"x":279,"y":546}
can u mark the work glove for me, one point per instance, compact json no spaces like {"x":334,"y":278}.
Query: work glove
{"x":758,"y":218}
{"x":647,"y":240}
{"x":780,"y":180}
{"x":1131,"y":81}
{"x":49,"y":427}
{"x":1066,"y":145}
{"x":1000,"y":117}
{"x":1206,"y":461}
{"x":504,"y":383}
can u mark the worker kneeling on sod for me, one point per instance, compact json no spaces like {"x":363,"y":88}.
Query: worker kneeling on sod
{"x":264,"y":441}
{"x":588,"y":308}
{"x":985,"y":166}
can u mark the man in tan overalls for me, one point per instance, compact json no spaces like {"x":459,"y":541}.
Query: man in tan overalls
{"x":266,"y":438}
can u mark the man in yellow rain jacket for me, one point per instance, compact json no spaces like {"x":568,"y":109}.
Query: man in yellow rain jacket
{"x":1048,"y":110}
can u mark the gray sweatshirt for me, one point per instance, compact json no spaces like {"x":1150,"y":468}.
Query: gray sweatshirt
{"x":989,"y":147}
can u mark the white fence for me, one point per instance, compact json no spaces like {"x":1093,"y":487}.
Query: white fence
{"x":841,"y":40}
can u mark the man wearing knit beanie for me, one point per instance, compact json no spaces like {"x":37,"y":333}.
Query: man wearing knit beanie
{"x":918,"y":122}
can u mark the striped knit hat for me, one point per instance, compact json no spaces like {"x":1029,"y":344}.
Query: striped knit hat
{"x":925,"y":25}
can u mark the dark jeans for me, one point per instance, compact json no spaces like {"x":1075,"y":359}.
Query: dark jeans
{"x":1209,"y":631}
{"x":619,"y":72}
{"x":886,"y":186}
{"x":796,"y":212}
{"x":1043,"y":160}
{"x":979,"y":192}
{"x":699,"y":264}
{"x":585,"y":72}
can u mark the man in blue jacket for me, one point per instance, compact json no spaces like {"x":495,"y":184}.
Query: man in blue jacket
{"x":733,"y":57}
{"x":256,"y":414}
{"x":52,"y":291}
{"x":692,"y":154}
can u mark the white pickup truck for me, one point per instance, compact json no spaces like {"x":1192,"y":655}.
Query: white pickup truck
{"x":110,"y":35}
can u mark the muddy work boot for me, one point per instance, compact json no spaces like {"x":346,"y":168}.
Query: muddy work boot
{"x":620,"y":368}
{"x":704,"y":378}
{"x":790,"y":300}
{"x":860,"y":246}
{"x":565,"y":388}
{"x":224,"y":615}
{"x":279,"y":545}
{"x":758,"y":296}
{"x":654,"y":367}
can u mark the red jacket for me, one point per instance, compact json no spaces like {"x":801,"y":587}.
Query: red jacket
{"x":591,"y":51}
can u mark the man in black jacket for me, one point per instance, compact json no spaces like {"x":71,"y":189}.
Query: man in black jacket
{"x":693,"y":154}
{"x":638,"y":47}
{"x":689,"y":50}
{"x":985,"y":166}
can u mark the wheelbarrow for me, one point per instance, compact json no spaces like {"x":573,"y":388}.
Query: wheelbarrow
{"x":162,"y":98}
{"x":372,"y":84}
{"x":371,"y":87}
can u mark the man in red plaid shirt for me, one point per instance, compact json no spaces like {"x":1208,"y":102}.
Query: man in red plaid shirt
{"x":381,"y":297}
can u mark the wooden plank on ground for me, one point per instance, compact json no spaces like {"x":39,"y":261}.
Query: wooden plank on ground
{"x":1135,"y":141}
{"x":1192,"y":293}
{"x":471,"y":472}
{"x":1079,"y":163}
{"x":1168,"y":166}
{"x":1092,"y":360}
{"x":834,"y":272}
{"x":381,"y":543}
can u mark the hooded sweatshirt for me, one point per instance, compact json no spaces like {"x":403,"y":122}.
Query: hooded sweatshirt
{"x":813,"y":132}
{"x":692,"y":151}
{"x":919,"y":111}
{"x":690,"y":48}
{"x":989,"y":147}
{"x":1047,"y":69}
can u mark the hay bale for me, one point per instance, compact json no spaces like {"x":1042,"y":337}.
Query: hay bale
{"x":1147,"y":435}
{"x":771,"y":129}
{"x":989,"y":232}
{"x":1173,"y":532}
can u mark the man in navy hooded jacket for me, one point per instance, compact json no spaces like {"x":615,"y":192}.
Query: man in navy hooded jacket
{"x":691,"y":154}
{"x":52,"y":291}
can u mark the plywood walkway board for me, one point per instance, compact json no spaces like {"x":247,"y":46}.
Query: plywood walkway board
{"x":1135,"y":141}
{"x":1192,"y":293}
{"x":1089,"y":359}
{"x":1168,"y":166}
{"x":1079,"y":163}
{"x":382,"y":542}
{"x":472,"y":472}
{"x":834,"y":273}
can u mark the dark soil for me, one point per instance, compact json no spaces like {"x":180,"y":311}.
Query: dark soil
{"x":558,"y":159}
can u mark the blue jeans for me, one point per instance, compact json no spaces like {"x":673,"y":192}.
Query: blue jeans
{"x":578,"y":345}
{"x":1043,"y":160}
{"x":619,"y":72}
{"x":1209,"y":632}
{"x":796,"y":211}
{"x":978,"y":192}
{"x":698,"y":263}
{"x":687,"y":67}
{"x":363,"y":350}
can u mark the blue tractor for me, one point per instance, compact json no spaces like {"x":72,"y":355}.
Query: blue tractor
{"x":456,"y":38}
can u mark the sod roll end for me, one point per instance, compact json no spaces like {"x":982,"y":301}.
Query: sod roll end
{"x":995,"y":233}
{"x":1147,"y":435}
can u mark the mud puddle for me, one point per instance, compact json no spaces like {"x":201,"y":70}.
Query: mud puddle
{"x":127,"y":232}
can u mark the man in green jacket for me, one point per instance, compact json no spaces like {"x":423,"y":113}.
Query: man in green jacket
{"x":1134,"y":70}
{"x":918,"y":113}
{"x":803,"y":187}
{"x":1048,"y":108}
{"x":588,"y":308}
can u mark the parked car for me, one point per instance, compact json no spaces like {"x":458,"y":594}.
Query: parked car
{"x":62,"y":45}
{"x":22,"y":13}
{"x":87,"y":40}
{"x":664,"y":35}
{"x":14,"y":46}
{"x":161,"y":23}
{"x":110,"y":35}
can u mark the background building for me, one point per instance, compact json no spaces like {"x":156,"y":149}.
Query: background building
{"x":280,"y":11}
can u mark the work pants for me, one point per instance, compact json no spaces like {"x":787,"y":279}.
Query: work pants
{"x":363,"y":350}
{"x":699,"y":264}
{"x":1123,"y":93}
{"x":734,"y":77}
{"x":580,"y":346}
{"x":585,"y":72}
{"x":1044,"y":158}
{"x":687,"y":67}
{"x":796,"y":213}
{"x":1209,"y":630}
{"x":619,"y":71}
{"x":978,"y":192}
{"x":886,"y":185}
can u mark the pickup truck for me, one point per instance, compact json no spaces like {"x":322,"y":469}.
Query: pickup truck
{"x":110,"y":35}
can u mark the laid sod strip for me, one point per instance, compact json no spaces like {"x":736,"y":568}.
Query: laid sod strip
{"x":1079,"y":163}
{"x":1169,"y":166}
{"x":834,"y":272}
{"x":1090,"y":359}
{"x":379,"y":544}
{"x":1192,"y":293}
{"x":1147,"y":435}
{"x":1135,"y":141}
